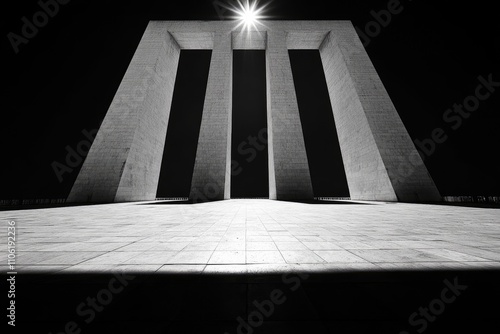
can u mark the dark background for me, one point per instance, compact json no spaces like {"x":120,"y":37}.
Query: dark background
{"x":63,"y":81}
{"x":249,"y":153}
{"x":184,"y":124}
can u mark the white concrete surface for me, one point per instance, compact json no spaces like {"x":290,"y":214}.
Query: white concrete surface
{"x":251,"y":236}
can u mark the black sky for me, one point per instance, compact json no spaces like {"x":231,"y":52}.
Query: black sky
{"x":184,"y":124}
{"x":249,"y":155}
{"x":318,"y":126}
{"x":63,"y":80}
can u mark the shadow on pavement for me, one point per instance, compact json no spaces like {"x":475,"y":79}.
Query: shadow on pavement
{"x":447,"y":301}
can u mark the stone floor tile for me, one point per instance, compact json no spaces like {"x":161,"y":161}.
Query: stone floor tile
{"x":264,"y":257}
{"x":301,"y":256}
{"x":254,"y":246}
{"x":227,"y":257}
{"x":339,"y":256}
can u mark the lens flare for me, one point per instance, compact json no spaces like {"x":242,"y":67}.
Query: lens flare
{"x":247,"y":14}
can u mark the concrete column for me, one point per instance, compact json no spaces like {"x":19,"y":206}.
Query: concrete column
{"x":381,"y":162}
{"x":289,"y":176}
{"x":124,"y":161}
{"x":212,"y":169}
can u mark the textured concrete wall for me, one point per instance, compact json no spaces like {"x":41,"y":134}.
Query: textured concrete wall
{"x":212,"y":169}
{"x":289,"y":169}
{"x":306,"y":39}
{"x":374,"y":142}
{"x":249,"y":40}
{"x":124,"y":161}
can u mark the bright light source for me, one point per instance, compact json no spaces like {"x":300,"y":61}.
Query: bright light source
{"x":248,"y":14}
{"x":249,"y":17}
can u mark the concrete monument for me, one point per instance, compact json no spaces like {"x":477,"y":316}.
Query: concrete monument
{"x":124,"y":161}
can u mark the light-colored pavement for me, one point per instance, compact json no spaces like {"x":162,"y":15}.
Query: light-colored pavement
{"x":253,"y":236}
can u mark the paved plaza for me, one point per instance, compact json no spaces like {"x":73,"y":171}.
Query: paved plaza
{"x":254,"y":236}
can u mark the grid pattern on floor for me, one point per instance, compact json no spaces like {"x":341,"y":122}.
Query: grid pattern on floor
{"x":248,"y":235}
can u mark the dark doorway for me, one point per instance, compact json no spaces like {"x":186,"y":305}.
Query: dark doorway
{"x":184,"y":124}
{"x":249,"y":172}
{"x":320,"y":135}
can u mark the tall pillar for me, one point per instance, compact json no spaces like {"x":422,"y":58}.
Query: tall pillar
{"x":381,"y":162}
{"x":212,"y":169}
{"x":289,"y":176}
{"x":124,"y":161}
